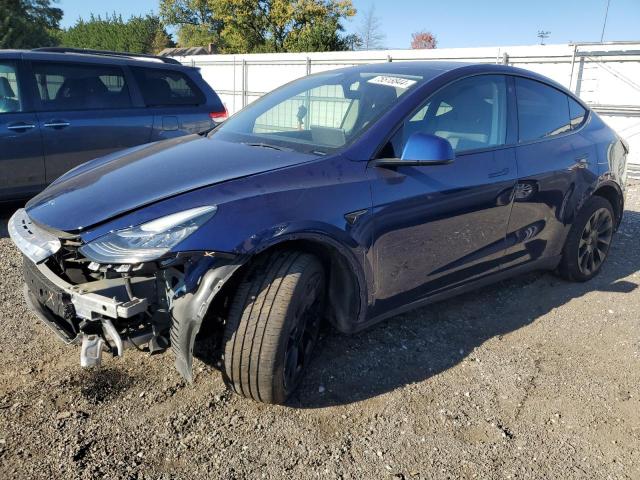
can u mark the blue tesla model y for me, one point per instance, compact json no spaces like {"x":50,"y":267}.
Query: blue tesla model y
{"x":347,"y":196}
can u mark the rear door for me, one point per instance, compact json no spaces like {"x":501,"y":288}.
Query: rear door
{"x":178,"y":106}
{"x":21,"y":160}
{"x":85,"y":112}
{"x":555,"y":166}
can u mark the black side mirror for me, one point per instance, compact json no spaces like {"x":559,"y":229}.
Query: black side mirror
{"x":421,"y":149}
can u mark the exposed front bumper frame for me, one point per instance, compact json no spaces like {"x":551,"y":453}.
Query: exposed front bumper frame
{"x":89,"y":305}
{"x":99,"y":302}
{"x":43,"y":284}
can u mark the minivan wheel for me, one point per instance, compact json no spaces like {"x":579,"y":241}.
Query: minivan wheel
{"x":273,"y":325}
{"x":588,"y":242}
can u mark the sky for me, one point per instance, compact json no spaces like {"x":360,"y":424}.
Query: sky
{"x":455,"y":23}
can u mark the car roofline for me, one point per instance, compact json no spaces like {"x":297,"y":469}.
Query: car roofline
{"x":109,"y":58}
{"x":108,"y":53}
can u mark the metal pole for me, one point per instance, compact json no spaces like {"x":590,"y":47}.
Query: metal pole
{"x":308,"y":65}
{"x":244,"y":83}
{"x":573,"y":63}
{"x":234,"y":84}
{"x":604,"y":24}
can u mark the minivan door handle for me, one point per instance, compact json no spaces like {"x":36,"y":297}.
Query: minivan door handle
{"x":20,"y":126}
{"x":57,"y":124}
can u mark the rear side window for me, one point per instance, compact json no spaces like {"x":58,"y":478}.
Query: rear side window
{"x":9,"y":94}
{"x":167,"y":88}
{"x":80,"y":87}
{"x":577,"y":113}
{"x":543,"y":111}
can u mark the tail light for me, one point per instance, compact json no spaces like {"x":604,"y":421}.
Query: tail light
{"x":219,"y":116}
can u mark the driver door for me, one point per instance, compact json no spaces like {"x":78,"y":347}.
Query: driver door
{"x":440,"y":226}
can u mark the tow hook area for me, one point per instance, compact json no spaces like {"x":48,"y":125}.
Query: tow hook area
{"x":100,"y":335}
{"x":91,"y":352}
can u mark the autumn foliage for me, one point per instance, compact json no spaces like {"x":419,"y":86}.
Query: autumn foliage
{"x":421,"y":40}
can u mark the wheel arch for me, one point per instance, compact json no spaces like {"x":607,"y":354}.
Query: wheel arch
{"x":612,"y":192}
{"x":347,"y":291}
{"x":346,"y":288}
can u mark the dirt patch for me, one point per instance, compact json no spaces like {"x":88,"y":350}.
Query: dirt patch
{"x":530,"y":378}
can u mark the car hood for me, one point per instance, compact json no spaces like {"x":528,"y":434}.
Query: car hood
{"x":110,"y":186}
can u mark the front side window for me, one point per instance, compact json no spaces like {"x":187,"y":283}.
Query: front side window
{"x":64,"y":86}
{"x":543,"y":111}
{"x":9,"y":94}
{"x":321,"y":112}
{"x":167,"y":88}
{"x":470,"y":113}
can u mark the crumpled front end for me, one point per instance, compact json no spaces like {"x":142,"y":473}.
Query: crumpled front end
{"x":111,"y":307}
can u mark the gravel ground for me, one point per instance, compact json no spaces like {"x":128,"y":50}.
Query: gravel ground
{"x":531,"y":378}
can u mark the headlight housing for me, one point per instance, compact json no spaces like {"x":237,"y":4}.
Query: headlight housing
{"x":149,"y":241}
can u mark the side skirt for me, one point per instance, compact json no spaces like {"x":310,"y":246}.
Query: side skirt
{"x":549,"y":263}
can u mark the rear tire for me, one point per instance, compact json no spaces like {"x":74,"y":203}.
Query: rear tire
{"x":273,"y":325}
{"x":587,"y":245}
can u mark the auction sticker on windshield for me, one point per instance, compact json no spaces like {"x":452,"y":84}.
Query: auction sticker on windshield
{"x":396,"y":82}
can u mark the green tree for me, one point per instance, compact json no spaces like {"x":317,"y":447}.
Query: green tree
{"x":139,"y":34}
{"x":28,"y":23}
{"x":248,"y":26}
{"x":197,"y":25}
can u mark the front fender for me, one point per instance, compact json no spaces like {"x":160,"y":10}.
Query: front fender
{"x":188,"y":310}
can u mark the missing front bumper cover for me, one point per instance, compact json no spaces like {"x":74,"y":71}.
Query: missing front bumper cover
{"x":102,"y":298}
{"x":76,"y":313}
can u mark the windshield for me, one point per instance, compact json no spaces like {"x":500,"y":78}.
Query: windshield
{"x":318,"y":113}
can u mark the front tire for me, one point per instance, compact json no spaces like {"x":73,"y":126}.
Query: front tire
{"x":273,"y":325}
{"x":587,"y":245}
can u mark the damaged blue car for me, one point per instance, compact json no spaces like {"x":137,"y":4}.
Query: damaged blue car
{"x":343,"y":197}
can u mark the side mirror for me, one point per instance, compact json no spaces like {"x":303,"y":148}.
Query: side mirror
{"x":421,"y":149}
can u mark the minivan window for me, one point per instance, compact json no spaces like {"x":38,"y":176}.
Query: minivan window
{"x":63,"y":86}
{"x":470,"y":113}
{"x":167,"y":88}
{"x":543,"y":111}
{"x":9,"y":94}
{"x":577,"y":114}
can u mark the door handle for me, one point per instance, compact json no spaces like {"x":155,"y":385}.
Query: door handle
{"x":499,"y":173}
{"x":57,"y":124}
{"x":581,"y":162}
{"x":21,"y":126}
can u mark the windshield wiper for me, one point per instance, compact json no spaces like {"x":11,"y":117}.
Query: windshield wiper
{"x":268,"y":145}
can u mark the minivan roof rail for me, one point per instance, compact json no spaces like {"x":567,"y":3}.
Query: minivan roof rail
{"x":107,"y":53}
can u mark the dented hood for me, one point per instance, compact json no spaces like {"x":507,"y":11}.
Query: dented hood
{"x":107,"y":187}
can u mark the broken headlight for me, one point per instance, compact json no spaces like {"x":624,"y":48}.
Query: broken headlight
{"x":148,"y":241}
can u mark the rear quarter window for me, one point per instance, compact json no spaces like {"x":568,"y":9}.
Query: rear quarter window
{"x":577,"y":113}
{"x":167,"y":88}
